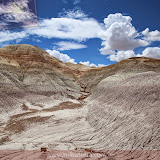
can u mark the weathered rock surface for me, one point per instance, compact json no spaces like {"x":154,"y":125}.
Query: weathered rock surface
{"x":31,"y":75}
{"x":112,"y":111}
{"x":128,"y":66}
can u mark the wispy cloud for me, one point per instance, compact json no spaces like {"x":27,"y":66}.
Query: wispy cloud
{"x":67,"y":28}
{"x":10,"y":36}
{"x":63,"y":45}
{"x":74,"y":13}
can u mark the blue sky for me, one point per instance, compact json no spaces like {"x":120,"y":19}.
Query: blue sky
{"x":92,"y":32}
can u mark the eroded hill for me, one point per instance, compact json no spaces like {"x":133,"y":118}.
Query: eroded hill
{"x":47,"y":103}
{"x":124,"y":67}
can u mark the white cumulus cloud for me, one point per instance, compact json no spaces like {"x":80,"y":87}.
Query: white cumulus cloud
{"x":102,"y":65}
{"x":152,"y":52}
{"x":119,"y":34}
{"x":87,"y":63}
{"x":61,"y":46}
{"x":63,"y":57}
{"x":151,"y":36}
{"x":121,"y":55}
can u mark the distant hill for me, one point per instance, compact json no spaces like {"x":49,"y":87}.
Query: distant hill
{"x":128,"y":66}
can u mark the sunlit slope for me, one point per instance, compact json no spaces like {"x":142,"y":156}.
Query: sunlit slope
{"x":128,"y":66}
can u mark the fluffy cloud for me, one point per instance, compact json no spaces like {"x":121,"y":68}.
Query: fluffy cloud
{"x":87,"y":63}
{"x":121,"y":55}
{"x":63,"y":57}
{"x":73,"y":25}
{"x":67,"y":28}
{"x":102,"y":65}
{"x":61,"y":46}
{"x":151,"y":36}
{"x":152,"y":52}
{"x":117,"y":31}
{"x":119,"y":34}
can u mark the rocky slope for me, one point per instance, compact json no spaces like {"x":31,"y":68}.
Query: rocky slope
{"x":127,"y":114}
{"x":125,"y":67}
{"x":31,"y":76}
{"x":112,"y":112}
